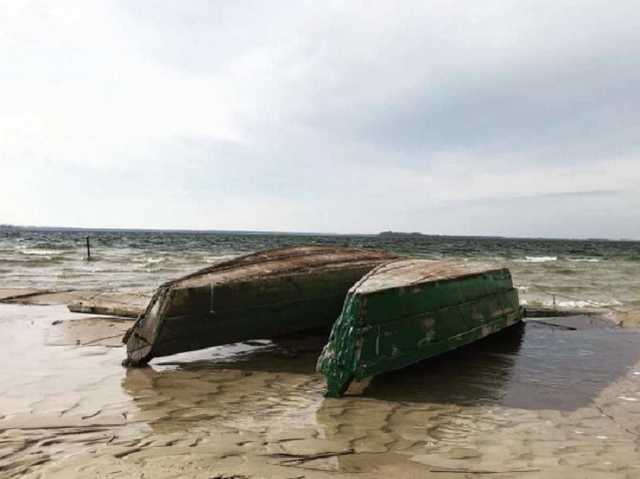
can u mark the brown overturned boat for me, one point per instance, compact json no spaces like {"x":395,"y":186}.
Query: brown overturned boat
{"x":262,"y":295}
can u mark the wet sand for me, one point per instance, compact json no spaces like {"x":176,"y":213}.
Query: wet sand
{"x":540,"y":401}
{"x":124,"y":304}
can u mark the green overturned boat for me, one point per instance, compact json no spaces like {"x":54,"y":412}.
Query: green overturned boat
{"x":408,"y":310}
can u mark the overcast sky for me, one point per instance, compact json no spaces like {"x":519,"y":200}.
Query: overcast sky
{"x":517,"y":118}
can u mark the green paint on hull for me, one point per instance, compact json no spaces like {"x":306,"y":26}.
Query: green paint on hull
{"x":391,"y":327}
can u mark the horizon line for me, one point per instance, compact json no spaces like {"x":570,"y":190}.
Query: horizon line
{"x":303,"y":233}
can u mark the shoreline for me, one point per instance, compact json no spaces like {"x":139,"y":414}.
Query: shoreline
{"x":131,"y":304}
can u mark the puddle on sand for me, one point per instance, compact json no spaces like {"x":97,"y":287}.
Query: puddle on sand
{"x":530,"y":367}
{"x":539,"y":399}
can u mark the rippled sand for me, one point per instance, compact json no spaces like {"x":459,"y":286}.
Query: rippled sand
{"x":539,"y":402}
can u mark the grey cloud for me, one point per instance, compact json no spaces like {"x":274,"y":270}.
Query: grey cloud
{"x":579,"y":111}
{"x":572,"y":215}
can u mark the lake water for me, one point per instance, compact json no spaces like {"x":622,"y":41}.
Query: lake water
{"x":580,"y":273}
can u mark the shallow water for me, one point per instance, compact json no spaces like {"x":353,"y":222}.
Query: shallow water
{"x":545,"y":400}
{"x":582,"y":274}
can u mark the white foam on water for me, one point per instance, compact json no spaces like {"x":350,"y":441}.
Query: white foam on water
{"x":149,"y":259}
{"x":219,"y":259}
{"x":537,"y":259}
{"x":581,"y":304}
{"x":585,"y":260}
{"x":153,"y":260}
{"x":45,"y":252}
{"x":627,"y":398}
{"x":39,"y":252}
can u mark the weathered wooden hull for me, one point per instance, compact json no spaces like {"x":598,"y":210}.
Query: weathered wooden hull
{"x":392,"y":318}
{"x":262,"y":295}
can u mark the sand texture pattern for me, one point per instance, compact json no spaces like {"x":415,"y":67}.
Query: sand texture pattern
{"x":542,"y":402}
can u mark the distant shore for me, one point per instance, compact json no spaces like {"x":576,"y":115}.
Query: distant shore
{"x":389,"y":234}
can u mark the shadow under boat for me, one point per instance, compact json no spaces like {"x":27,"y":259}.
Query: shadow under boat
{"x":535,"y":365}
{"x":559,"y":363}
{"x":293,"y":354}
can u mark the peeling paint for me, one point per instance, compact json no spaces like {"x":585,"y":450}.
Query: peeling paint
{"x":442,"y":315}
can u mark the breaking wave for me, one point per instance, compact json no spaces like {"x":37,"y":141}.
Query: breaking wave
{"x":537,"y":259}
{"x":39,"y":252}
{"x":582,"y":304}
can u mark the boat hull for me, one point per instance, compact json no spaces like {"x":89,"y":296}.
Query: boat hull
{"x":264,"y":295}
{"x":386,"y":328}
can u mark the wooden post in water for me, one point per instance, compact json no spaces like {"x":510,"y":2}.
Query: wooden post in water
{"x":88,"y":250}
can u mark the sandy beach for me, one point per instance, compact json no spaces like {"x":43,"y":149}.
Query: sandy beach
{"x":320,"y":240}
{"x":539,"y":402}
